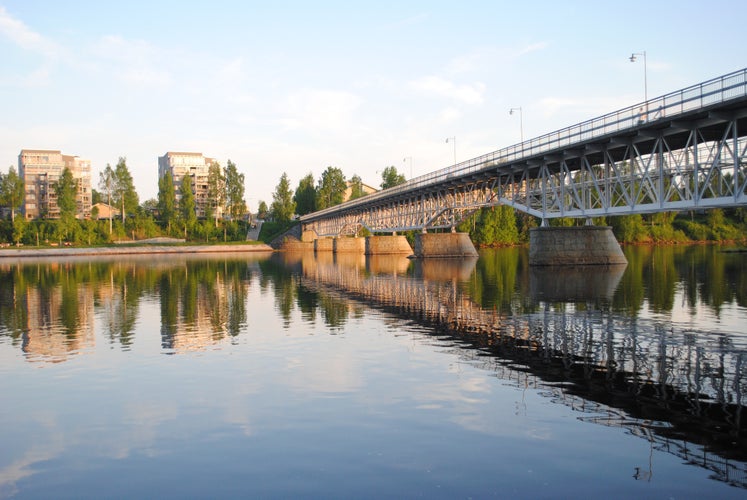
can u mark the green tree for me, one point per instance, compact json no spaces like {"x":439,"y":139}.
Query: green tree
{"x":498,"y":226}
{"x":356,"y":187}
{"x":125,"y":195}
{"x":305,"y":196}
{"x":234,"y":190}
{"x":107,"y":187}
{"x":390,"y":177}
{"x":19,"y":229}
{"x":167,"y":200}
{"x":187,"y":205}
{"x":332,"y":187}
{"x":12,"y":191}
{"x":216,"y":190}
{"x":262,"y":210}
{"x":96,"y":196}
{"x":66,"y":189}
{"x":283,"y":206}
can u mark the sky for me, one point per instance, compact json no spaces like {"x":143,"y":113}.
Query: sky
{"x":295,"y":87}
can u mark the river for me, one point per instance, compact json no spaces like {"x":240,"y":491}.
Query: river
{"x":346,"y":376}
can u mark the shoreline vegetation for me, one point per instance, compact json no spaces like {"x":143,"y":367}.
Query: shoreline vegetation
{"x":493,"y":227}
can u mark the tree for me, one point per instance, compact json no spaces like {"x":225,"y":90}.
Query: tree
{"x":66,"y":189}
{"x":216,"y":189}
{"x":95,"y":197}
{"x":167,"y":200}
{"x":262,"y":210}
{"x":12,"y":191}
{"x":356,"y":187}
{"x":234,"y":190}
{"x":390,"y":177}
{"x":125,"y":195}
{"x":332,"y":187}
{"x":305,"y":196}
{"x":107,"y":186}
{"x":187,"y":205}
{"x":283,"y":206}
{"x":19,"y":229}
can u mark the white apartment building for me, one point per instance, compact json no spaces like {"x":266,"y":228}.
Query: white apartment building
{"x":40,"y":170}
{"x":193,"y":164}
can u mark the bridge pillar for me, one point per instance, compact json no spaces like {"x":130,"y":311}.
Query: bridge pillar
{"x":573,"y":246}
{"x":324,"y":245}
{"x":444,"y":245}
{"x":349,"y":245}
{"x":308,"y":236}
{"x":384,"y":245}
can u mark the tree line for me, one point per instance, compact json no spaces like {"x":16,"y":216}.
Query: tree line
{"x":311,"y":195}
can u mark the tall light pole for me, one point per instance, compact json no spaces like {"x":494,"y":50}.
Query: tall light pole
{"x":453,"y":140}
{"x":645,"y":73}
{"x":408,"y":158}
{"x":521,"y":120}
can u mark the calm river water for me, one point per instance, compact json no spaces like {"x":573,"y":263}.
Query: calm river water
{"x":320,"y":376}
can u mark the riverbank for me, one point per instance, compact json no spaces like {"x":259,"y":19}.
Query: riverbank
{"x":132,"y":249}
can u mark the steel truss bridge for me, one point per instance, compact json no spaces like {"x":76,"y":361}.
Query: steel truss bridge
{"x":682,"y":151}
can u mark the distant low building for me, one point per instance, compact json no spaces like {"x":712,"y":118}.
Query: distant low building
{"x":40,"y":170}
{"x":104,"y":211}
{"x":365,"y":187}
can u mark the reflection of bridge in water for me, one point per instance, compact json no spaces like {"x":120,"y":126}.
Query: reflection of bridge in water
{"x":682,"y":391}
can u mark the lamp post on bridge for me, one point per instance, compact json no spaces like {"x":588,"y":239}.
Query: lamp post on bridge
{"x":453,"y":140}
{"x":521,"y":120}
{"x":645,"y":71}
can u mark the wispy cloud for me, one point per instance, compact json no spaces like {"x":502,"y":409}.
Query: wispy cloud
{"x":440,"y":87}
{"x":23,"y":36}
{"x":528,"y":49}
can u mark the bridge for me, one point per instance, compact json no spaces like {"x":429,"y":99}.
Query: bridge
{"x":685,"y":150}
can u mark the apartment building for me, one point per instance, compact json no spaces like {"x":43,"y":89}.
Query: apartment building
{"x":40,"y":170}
{"x":193,"y":164}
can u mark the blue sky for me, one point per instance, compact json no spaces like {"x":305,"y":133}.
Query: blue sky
{"x":298,"y":86}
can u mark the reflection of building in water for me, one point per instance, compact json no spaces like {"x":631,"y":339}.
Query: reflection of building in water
{"x":197,"y":313}
{"x":683,"y":391}
{"x":60,"y":322}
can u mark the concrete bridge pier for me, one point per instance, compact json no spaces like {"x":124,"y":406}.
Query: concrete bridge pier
{"x":387,"y":245}
{"x":349,"y":245}
{"x":574,"y":246}
{"x":444,"y":245}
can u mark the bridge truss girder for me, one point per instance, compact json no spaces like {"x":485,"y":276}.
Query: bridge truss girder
{"x":647,"y":173}
{"x":438,"y":208}
{"x":674,"y":166}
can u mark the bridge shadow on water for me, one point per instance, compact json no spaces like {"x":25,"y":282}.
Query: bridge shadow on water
{"x":680,"y":390}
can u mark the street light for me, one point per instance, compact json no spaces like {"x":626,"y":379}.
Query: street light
{"x":521,"y":120}
{"x":645,"y":71}
{"x":453,"y":140}
{"x":408,"y":158}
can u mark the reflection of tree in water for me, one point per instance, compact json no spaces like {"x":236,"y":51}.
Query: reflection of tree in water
{"x":13,"y":313}
{"x":284,"y":285}
{"x":48,"y":305}
{"x":202,"y":301}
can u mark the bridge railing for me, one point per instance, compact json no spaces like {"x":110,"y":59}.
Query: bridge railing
{"x":708,"y":93}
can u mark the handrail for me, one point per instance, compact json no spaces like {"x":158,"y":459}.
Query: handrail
{"x":717,"y":90}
